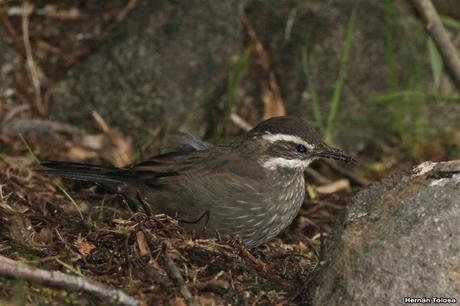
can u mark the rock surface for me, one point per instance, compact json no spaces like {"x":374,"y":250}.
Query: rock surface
{"x":168,"y":63}
{"x":398,"y":238}
{"x":158,"y":71}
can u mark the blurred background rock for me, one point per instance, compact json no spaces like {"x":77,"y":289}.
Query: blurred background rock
{"x":365,"y":73}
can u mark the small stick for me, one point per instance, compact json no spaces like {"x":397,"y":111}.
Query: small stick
{"x":318,"y":176}
{"x":11,"y":32}
{"x":142,"y":243}
{"x":145,"y":205}
{"x":14,"y":270}
{"x":342,"y":170}
{"x":252,"y":258}
{"x":439,"y":34}
{"x":212,"y":284}
{"x":32,"y":67}
{"x":240,"y":122}
{"x":262,"y":267}
{"x":178,"y":279}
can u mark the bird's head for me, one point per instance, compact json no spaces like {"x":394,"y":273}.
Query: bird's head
{"x":289,"y":142}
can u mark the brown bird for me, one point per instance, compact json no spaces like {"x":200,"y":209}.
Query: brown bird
{"x":252,"y":188}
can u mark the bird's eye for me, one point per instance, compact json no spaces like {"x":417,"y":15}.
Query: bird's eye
{"x":301,"y":148}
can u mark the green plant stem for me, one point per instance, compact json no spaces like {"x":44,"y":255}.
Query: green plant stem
{"x":389,"y":45}
{"x":341,"y":77}
{"x":314,"y":95}
{"x":395,"y":96}
{"x":235,"y":78}
{"x":54,"y":181}
{"x":437,"y":64}
{"x":450,"y":22}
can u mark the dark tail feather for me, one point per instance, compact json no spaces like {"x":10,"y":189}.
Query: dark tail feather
{"x":110,"y":178}
{"x":82,"y":172}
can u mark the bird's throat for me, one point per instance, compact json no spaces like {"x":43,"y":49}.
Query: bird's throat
{"x":275,"y":163}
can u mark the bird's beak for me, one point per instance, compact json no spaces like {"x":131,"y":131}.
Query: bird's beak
{"x":330,"y":152}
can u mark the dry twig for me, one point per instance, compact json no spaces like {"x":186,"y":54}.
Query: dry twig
{"x":240,"y":122}
{"x":31,"y":66}
{"x":263,"y":268}
{"x":344,"y":171}
{"x":273,"y":102}
{"x":440,"y":36}
{"x":178,"y":279}
{"x":10,"y":31}
{"x":57,"y":279}
{"x":145,"y":205}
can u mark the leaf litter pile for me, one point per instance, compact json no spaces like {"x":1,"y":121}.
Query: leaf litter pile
{"x":67,"y":243}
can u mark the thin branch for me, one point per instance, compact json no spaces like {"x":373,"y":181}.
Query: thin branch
{"x":240,"y":122}
{"x":264,"y":268}
{"x":145,"y":205}
{"x":321,"y":179}
{"x":440,"y":36}
{"x":11,"y":32}
{"x":31,"y":66}
{"x":273,"y":101}
{"x":14,"y":270}
{"x":344,"y":171}
{"x":178,"y":279}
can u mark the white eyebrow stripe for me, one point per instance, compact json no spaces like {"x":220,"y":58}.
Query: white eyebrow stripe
{"x":286,"y":137}
{"x":273,"y":163}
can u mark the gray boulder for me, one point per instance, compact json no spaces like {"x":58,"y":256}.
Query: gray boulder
{"x":399,"y":238}
{"x":158,"y":71}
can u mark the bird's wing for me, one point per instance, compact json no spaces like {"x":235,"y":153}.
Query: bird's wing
{"x":186,"y":182}
{"x":188,"y":141}
{"x":224,"y":187}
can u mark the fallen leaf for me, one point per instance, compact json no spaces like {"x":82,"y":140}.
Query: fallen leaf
{"x":84,"y":247}
{"x":273,"y":102}
{"x":340,"y":185}
{"x":142,"y":243}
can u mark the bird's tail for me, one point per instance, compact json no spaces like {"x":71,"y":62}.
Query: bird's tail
{"x":82,"y":172}
{"x":112,"y":179}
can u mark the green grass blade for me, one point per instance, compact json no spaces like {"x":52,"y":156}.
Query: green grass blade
{"x":390,"y":54}
{"x":341,"y":77}
{"x":54,"y":181}
{"x":436,"y":62}
{"x":70,"y":268}
{"x":235,"y":78}
{"x":314,"y":95}
{"x":29,"y":148}
{"x":69,"y":197}
{"x":451,"y":22}
{"x":408,"y":106}
{"x":395,"y":97}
